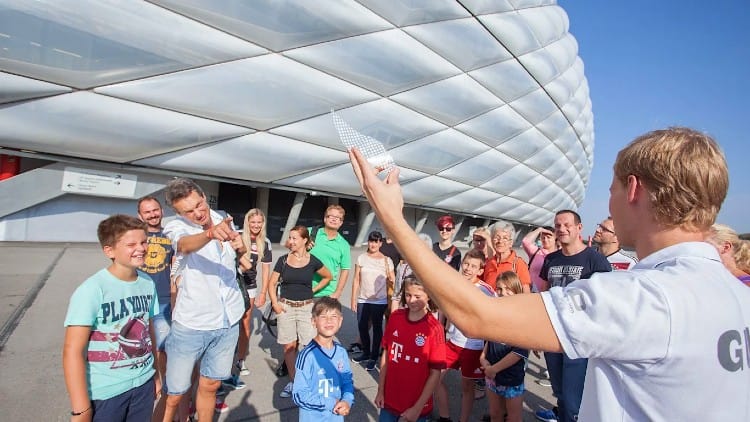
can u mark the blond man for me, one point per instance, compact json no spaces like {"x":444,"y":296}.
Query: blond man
{"x":665,"y":341}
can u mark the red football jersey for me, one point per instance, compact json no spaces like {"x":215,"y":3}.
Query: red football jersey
{"x":413,"y":348}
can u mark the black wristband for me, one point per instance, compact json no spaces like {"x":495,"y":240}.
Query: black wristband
{"x":72,"y":413}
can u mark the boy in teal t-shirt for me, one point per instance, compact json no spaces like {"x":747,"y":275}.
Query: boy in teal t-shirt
{"x":107,"y":360}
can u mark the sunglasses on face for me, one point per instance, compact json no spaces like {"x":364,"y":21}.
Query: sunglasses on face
{"x":445,"y":229}
{"x":479,"y":239}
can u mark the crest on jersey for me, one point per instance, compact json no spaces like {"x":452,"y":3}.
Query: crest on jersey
{"x":420,"y":340}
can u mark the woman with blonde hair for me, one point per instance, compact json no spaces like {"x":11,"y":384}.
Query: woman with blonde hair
{"x":733,"y":251}
{"x":482,"y":241}
{"x":258,"y":250}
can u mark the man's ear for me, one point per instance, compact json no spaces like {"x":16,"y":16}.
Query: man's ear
{"x":480,"y":272}
{"x":633,"y":188}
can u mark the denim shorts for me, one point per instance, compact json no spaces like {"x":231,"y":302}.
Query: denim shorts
{"x":161,"y":324}
{"x":295,"y":324}
{"x":185,"y":346}
{"x":505,"y":391}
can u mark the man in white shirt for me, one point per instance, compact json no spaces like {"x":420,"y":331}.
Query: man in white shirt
{"x":667,"y":340}
{"x":606,"y":238}
{"x":209,"y":302}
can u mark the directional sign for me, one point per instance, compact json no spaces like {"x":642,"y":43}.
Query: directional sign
{"x":98,"y":182}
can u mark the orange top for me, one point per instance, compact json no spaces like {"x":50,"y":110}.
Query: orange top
{"x":493,"y":268}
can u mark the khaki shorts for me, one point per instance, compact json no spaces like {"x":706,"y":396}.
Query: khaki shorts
{"x":295,"y":324}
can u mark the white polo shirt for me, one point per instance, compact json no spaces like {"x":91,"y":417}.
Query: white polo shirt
{"x":209,"y":297}
{"x":666,"y":341}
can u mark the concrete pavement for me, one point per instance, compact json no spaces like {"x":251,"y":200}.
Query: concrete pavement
{"x":36,"y":282}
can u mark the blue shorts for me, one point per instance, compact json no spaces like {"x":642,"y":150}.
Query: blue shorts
{"x":504,"y":391}
{"x":185,"y":346}
{"x":161,"y":324}
{"x":136,"y":404}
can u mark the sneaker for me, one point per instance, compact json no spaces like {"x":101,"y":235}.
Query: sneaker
{"x":287,"y":391}
{"x":546,"y":415}
{"x":355,"y":348}
{"x":370,"y":366}
{"x":544,"y":382}
{"x":242,"y":368}
{"x":360,"y":358}
{"x":221,"y":391}
{"x":221,"y":407}
{"x":282,"y":370}
{"x":234,"y":382}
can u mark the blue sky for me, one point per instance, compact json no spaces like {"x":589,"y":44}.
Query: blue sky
{"x":659,"y":63}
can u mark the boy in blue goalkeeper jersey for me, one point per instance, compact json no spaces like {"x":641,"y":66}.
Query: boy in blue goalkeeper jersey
{"x":323,"y":386}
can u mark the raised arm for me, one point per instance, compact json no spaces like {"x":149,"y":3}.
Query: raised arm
{"x":474,"y":313}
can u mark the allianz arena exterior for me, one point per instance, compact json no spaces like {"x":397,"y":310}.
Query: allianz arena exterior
{"x":483,"y":104}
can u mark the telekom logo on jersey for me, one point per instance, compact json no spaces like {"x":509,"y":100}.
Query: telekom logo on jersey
{"x":733,"y":349}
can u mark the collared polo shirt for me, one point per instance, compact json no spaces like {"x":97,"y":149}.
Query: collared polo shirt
{"x":666,"y":341}
{"x":335,"y":254}
{"x":209,"y":297}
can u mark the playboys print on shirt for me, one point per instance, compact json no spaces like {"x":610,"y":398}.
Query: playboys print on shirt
{"x":124,"y":337}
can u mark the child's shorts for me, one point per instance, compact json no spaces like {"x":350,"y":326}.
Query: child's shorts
{"x":466,"y":359}
{"x":504,"y":391}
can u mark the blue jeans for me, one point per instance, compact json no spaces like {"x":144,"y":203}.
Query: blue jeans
{"x":162,"y":324}
{"x":185,"y":346}
{"x":388,"y":416}
{"x":567,"y":377}
{"x":136,"y":404}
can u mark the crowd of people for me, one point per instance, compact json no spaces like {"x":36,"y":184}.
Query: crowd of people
{"x":169,"y":319}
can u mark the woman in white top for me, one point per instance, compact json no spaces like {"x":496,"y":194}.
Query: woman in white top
{"x":372,"y":273}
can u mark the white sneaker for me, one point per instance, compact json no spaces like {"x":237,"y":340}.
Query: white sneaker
{"x":243,"y":369}
{"x":287,"y":391}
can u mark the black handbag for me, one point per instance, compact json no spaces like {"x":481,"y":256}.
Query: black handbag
{"x":269,"y":316}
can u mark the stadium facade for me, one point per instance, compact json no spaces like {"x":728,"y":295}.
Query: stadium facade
{"x":483,"y":104}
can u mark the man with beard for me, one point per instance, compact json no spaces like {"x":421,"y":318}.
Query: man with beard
{"x":157,"y":264}
{"x":606,"y":238}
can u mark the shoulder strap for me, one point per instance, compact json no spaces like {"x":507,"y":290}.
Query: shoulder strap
{"x":533,"y":256}
{"x":453,"y":249}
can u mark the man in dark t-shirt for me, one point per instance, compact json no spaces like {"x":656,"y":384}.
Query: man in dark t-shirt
{"x":573,"y":261}
{"x":158,"y":264}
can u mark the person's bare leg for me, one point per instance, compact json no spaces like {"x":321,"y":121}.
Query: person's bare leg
{"x":290,"y":355}
{"x":514,"y":409}
{"x":161,"y":368}
{"x":467,"y":398}
{"x":245,"y":330}
{"x":495,"y":406}
{"x":171,"y":407}
{"x":441,"y":397}
{"x":205,"y":402}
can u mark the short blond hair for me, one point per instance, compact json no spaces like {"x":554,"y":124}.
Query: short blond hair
{"x":336,"y":207}
{"x":721,"y":233}
{"x":684,"y":172}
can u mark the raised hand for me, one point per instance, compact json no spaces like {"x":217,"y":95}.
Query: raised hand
{"x":384,"y":196}
{"x":223,"y":231}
